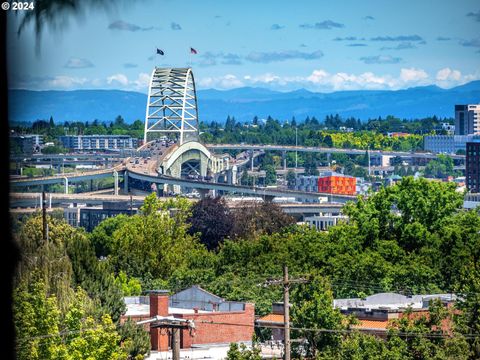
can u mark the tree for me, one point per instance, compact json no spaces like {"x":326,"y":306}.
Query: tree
{"x":154,"y":244}
{"x":440,"y":167}
{"x":327,"y":141}
{"x":252,"y":220}
{"x":241,"y":352}
{"x":212,"y":218}
{"x":312,"y":309}
{"x":310,"y":165}
{"x":291,"y":177}
{"x":67,"y":259}
{"x":135,"y":340}
{"x":270,"y":175}
{"x":102,"y":235}
{"x":36,"y":314}
{"x":96,"y":341}
{"x":45,"y":260}
{"x":406,"y":211}
{"x":246,"y":179}
{"x":43,"y":333}
{"x":129,"y":286}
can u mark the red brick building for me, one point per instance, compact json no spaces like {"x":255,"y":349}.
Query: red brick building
{"x":335,"y":183}
{"x":216,"y":321}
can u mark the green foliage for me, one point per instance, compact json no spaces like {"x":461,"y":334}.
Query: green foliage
{"x":212,"y":219}
{"x":129,"y":286}
{"x":32,"y":172}
{"x":43,"y":333}
{"x":291,"y":177}
{"x":241,"y":352}
{"x":135,"y":340}
{"x":67,"y":259}
{"x":54,"y":149}
{"x":98,"y":340}
{"x":102,"y":235}
{"x":271,"y":175}
{"x":441,"y":167}
{"x":252,"y":220}
{"x":312,"y":309}
{"x":154,"y":243}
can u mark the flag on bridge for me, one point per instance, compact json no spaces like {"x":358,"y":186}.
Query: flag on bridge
{"x":193,"y":51}
{"x":160,"y":52}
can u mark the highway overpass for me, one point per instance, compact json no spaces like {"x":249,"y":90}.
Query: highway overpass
{"x":326,"y":150}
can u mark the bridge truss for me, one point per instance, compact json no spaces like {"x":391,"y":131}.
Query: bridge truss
{"x":172,"y":104}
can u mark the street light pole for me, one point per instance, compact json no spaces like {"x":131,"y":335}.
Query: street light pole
{"x":296,"y":145}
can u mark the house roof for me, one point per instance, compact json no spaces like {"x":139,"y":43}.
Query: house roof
{"x":272,"y":318}
{"x":371,"y":325}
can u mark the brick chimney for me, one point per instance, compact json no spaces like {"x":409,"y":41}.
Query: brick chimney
{"x":158,"y":306}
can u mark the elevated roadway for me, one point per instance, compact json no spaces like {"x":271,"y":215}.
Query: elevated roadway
{"x":67,"y":177}
{"x":33,"y":202}
{"x":239,"y":189}
{"x":326,"y":150}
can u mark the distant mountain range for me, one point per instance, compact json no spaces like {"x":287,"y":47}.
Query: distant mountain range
{"x":244,"y":103}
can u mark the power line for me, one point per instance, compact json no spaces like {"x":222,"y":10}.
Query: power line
{"x":343,"y":331}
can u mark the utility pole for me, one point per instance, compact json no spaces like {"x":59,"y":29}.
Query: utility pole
{"x":175,"y":343}
{"x":286,"y":305}
{"x":286,"y":312}
{"x":368,"y":153}
{"x":296,"y":150}
{"x":174,"y":325}
{"x":44,"y":217}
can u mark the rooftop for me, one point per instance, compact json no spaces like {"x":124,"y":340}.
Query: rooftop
{"x":392,"y":301}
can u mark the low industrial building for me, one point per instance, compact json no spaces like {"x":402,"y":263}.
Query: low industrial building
{"x":306,"y":183}
{"x":89,"y":217}
{"x":380,"y":160}
{"x":328,"y":182}
{"x":447,"y":144}
{"x":335,"y":183}
{"x":375,"y":312}
{"x":98,"y":142}
{"x":324,"y":221}
{"x":275,"y":321}
{"x":216,"y":321}
{"x":25,"y":144}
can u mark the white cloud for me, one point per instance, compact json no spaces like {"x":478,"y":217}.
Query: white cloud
{"x":119,"y":78}
{"x":446,"y":74}
{"x":447,"y":77}
{"x":228,"y":81}
{"x":413,"y":75}
{"x":322,"y":80}
{"x":77,"y":63}
{"x":142,"y":82}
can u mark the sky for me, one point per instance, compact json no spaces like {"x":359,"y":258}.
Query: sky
{"x":319,"y":45}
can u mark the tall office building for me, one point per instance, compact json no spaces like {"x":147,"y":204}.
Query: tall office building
{"x":467,"y":119}
{"x":472,"y":167}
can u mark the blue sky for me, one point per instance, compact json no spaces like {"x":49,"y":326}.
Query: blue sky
{"x":283,"y":45}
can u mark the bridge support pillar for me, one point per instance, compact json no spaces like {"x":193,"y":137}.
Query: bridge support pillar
{"x":251,"y":162}
{"x":329,"y":155}
{"x":234,"y":174}
{"x":203,"y":193}
{"x":115,"y":183}
{"x":268,"y":198}
{"x":284,"y":158}
{"x":91,"y":184}
{"x":125,"y":182}
{"x":65,"y":181}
